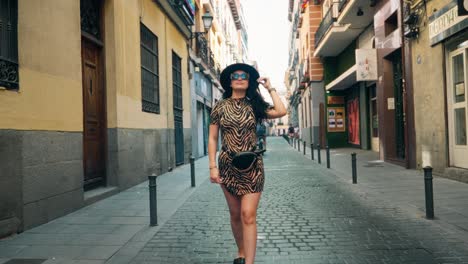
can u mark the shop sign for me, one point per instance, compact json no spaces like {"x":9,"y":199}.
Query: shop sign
{"x":445,"y":23}
{"x":366,"y":64}
{"x":336,"y":119}
{"x":333,"y":100}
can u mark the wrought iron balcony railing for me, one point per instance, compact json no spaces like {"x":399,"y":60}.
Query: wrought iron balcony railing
{"x":9,"y":74}
{"x":205,"y":53}
{"x":326,"y":23}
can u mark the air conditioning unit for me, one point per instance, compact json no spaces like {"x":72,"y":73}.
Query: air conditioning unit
{"x":411,"y":32}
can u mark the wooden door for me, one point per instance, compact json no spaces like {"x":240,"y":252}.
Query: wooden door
{"x":93,"y":116}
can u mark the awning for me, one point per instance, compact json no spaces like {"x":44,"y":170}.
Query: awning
{"x":344,"y":81}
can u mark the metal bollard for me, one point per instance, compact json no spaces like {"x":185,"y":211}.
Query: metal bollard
{"x":192,"y":170}
{"x":294,"y":142}
{"x":299,"y":145}
{"x":353,"y":166}
{"x":153,"y":202}
{"x":319,"y":156}
{"x":429,"y":192}
{"x":328,"y":156}
{"x":312,"y":151}
{"x":304,"y":147}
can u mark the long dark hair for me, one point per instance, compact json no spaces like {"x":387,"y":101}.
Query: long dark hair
{"x":255,"y":98}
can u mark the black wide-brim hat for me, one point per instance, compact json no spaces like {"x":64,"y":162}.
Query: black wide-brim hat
{"x":225,"y":77}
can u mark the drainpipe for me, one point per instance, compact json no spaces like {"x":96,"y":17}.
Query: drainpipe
{"x":403,"y":70}
{"x":169,"y":161}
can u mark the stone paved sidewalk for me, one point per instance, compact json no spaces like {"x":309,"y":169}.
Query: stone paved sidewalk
{"x":306,"y":215}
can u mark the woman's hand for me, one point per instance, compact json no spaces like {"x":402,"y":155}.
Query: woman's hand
{"x":214,"y":176}
{"x":265,"y":81}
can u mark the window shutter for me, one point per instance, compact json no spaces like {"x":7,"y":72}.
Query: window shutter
{"x":9,"y":44}
{"x":149,"y":70}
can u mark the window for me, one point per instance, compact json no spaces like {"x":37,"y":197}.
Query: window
{"x":391,"y":24}
{"x":177,"y":81}
{"x":9,"y":44}
{"x":149,"y":70}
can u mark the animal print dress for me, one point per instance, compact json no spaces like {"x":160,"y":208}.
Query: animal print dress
{"x":236,"y":120}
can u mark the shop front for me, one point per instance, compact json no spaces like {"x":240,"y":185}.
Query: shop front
{"x":441,"y":102}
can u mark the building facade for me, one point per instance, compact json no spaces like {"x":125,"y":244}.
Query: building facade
{"x":90,"y":106}
{"x":440,"y":48}
{"x":379,"y":96}
{"x":305,"y":73}
{"x":224,"y":43}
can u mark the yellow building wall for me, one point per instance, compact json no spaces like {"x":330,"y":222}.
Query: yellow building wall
{"x":50,"y":93}
{"x":49,"y":57}
{"x":429,"y":101}
{"x":123,"y":74}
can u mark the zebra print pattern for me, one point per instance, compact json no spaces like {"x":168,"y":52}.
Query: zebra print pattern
{"x":236,"y":120}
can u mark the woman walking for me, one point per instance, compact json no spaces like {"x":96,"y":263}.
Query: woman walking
{"x":236,"y":116}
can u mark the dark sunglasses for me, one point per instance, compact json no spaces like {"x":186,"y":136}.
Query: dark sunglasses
{"x":243,"y":76}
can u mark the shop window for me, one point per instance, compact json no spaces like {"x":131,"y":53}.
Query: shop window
{"x":149,"y":70}
{"x":460,"y":126}
{"x":9,"y":44}
{"x":391,"y":24}
{"x":458,"y":79}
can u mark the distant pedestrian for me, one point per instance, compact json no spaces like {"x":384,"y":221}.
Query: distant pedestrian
{"x":261,"y":133}
{"x":291,"y":131}
{"x":236,"y":117}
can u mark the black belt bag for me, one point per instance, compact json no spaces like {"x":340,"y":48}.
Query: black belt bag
{"x":244,"y":160}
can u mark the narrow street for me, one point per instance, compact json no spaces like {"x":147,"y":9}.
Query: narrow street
{"x":306,"y":215}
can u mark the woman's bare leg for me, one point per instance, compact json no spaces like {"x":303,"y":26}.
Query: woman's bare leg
{"x":249,"y":204}
{"x":234,"y":204}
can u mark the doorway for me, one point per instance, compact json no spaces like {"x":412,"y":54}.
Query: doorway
{"x":457,"y":107}
{"x":374,"y":118}
{"x":93,"y":117}
{"x":94,"y":96}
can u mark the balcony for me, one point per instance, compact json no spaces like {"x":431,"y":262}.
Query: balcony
{"x":344,"y":81}
{"x":349,"y":10}
{"x":203,"y":51}
{"x":303,"y":75}
{"x":184,"y":10}
{"x":305,"y":71}
{"x":325,"y":25}
{"x":332,"y":37}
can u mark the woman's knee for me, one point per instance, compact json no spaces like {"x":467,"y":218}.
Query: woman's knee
{"x":249,"y":217}
{"x":235,"y":216}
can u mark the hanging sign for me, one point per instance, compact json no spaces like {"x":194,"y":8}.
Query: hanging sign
{"x":366,"y":65}
{"x":332,"y":100}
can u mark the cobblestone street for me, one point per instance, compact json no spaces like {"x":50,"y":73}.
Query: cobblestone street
{"x":306,"y":215}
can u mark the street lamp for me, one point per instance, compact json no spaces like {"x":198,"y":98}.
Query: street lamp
{"x":207,"y":20}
